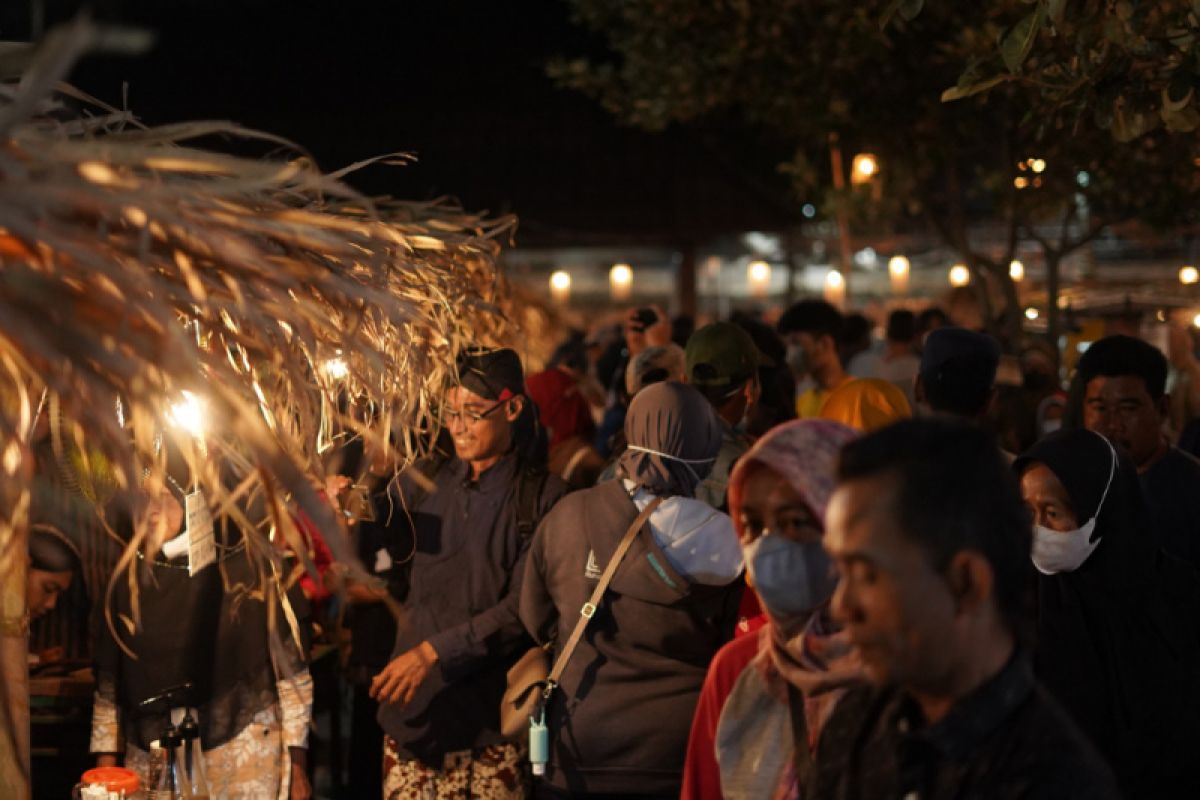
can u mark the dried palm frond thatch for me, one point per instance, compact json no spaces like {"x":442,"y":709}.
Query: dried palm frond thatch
{"x":138,"y":274}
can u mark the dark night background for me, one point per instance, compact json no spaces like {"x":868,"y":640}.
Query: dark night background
{"x":461,"y":84}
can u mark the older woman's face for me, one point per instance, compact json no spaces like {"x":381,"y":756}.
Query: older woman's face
{"x":771,"y":504}
{"x":1047,"y":499}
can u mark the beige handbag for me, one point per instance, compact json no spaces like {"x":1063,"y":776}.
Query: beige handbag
{"x":526,"y":682}
{"x":531,"y":680}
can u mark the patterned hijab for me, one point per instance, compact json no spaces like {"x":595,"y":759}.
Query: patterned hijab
{"x":803,"y":451}
{"x":673,"y":439}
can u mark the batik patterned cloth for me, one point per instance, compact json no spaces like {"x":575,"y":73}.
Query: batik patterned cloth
{"x":497,"y":772}
{"x":254,"y":765}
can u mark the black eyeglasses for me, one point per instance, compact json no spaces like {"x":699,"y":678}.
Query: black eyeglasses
{"x":450,"y":414}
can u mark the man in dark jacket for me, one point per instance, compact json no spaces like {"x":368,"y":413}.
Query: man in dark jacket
{"x":441,"y":692}
{"x":1120,"y":392}
{"x":932,"y":544}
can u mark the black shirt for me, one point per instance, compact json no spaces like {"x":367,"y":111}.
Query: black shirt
{"x":1007,"y":739}
{"x":1171,"y":488}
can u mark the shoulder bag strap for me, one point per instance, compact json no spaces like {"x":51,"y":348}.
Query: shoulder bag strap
{"x":589,"y":608}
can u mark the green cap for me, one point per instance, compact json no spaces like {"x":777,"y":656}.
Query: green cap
{"x":722,"y":354}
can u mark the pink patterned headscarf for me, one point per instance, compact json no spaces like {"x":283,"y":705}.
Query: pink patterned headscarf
{"x":804,"y":452}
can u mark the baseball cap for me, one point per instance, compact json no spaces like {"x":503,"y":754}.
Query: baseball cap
{"x":722,"y":354}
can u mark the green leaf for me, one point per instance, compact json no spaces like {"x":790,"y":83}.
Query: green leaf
{"x":959,"y":92}
{"x":1017,"y":43}
{"x":1055,"y":9}
{"x":907,"y":9}
{"x":1178,"y":92}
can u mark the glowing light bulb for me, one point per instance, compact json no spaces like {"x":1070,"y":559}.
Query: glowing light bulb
{"x":960,"y":275}
{"x":1189,"y":275}
{"x":188,"y":414}
{"x":1016,"y":270}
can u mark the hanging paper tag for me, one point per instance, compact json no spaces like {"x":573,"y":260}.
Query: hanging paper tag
{"x":202,"y":548}
{"x":383,"y":560}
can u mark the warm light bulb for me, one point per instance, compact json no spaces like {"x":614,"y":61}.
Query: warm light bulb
{"x":1016,"y":270}
{"x":758,"y":273}
{"x":1031,"y":313}
{"x":336,"y":368}
{"x":1037,"y":165}
{"x":188,"y":414}
{"x":898,"y":266}
{"x":620,"y":281}
{"x":1196,"y":320}
{"x":959,"y":275}
{"x":560,"y":280}
{"x":1189,"y":275}
{"x":834,"y":279}
{"x":865,"y":166}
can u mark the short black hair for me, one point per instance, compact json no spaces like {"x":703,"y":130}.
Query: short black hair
{"x":856,"y":330}
{"x":953,"y":492}
{"x":932,"y":317}
{"x":1125,"y":355}
{"x":901,"y":326}
{"x":814,"y":317}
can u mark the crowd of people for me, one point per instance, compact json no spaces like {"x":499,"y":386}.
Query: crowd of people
{"x":764,"y":561}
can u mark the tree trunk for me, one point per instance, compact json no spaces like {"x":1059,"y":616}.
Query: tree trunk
{"x":686,"y":296}
{"x":1013,"y":313}
{"x":1053,"y":261}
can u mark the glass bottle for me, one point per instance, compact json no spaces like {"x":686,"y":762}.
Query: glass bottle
{"x":197,"y":778}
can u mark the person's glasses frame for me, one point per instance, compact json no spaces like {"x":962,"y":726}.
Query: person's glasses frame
{"x":451,"y":414}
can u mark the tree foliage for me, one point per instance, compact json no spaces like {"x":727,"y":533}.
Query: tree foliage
{"x":1123,"y":66}
{"x":876,"y":74}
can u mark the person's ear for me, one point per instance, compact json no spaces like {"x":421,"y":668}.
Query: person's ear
{"x":972,"y":581}
{"x":514,"y":408}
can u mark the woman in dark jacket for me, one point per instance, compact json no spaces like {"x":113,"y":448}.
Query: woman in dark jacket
{"x":618,"y":722}
{"x":1117,"y":640}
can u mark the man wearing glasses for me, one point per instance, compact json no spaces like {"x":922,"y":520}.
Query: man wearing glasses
{"x":440,"y":694}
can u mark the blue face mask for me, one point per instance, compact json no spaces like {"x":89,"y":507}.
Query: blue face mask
{"x":792,"y":578}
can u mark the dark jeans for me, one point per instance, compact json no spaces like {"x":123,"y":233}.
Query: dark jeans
{"x":366,"y":747}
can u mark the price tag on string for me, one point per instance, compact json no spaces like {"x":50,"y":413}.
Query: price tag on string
{"x":202,"y":546}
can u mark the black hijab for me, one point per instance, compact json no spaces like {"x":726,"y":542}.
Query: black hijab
{"x":1109,"y":645}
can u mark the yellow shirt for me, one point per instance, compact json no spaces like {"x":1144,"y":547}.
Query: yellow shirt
{"x":808,"y":404}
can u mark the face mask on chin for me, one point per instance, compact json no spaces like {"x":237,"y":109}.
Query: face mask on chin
{"x":792,"y":579}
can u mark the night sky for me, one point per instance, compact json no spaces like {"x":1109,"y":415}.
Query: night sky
{"x":462,"y":85}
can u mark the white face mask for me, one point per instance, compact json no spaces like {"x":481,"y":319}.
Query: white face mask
{"x":687,"y":462}
{"x":1065,"y":551}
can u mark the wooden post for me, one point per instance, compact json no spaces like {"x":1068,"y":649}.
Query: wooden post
{"x":843,"y":219}
{"x":686,"y":296}
{"x":14,"y":623}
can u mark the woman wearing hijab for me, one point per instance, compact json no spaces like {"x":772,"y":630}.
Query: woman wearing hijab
{"x":866,"y":404}
{"x":1116,"y":641}
{"x":53,"y":561}
{"x":206,"y":639}
{"x":761,"y":691}
{"x":618,"y":722}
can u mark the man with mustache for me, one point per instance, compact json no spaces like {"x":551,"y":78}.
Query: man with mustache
{"x":1120,"y":393}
